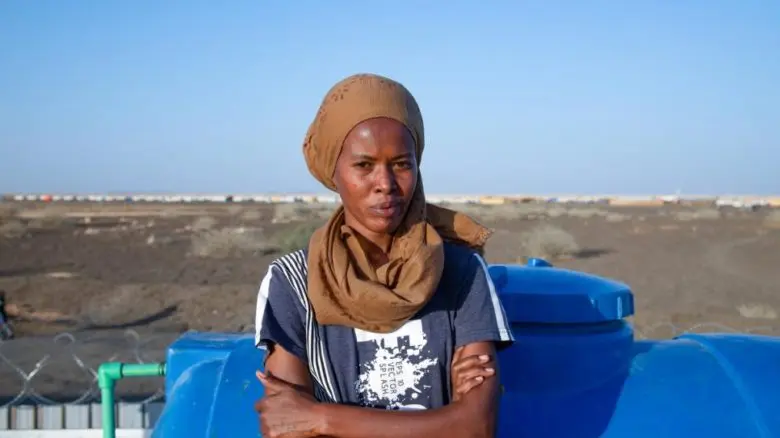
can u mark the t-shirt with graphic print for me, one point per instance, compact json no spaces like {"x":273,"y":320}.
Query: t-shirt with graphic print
{"x":408,"y":369}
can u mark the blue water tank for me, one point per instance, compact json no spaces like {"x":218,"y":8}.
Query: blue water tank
{"x":575,"y":371}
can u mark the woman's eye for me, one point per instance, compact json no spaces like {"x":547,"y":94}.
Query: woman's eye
{"x":404,"y":165}
{"x":363,"y":165}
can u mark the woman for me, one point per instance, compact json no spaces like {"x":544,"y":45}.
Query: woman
{"x":387,"y":325}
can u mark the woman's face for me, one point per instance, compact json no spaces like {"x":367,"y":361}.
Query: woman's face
{"x":376,"y":174}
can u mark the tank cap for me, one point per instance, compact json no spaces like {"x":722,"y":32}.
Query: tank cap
{"x":541,"y":293}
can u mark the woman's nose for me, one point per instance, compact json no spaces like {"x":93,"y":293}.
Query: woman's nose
{"x":385,"y":180}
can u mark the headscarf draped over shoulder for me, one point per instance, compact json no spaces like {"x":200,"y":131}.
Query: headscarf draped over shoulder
{"x":344,"y":288}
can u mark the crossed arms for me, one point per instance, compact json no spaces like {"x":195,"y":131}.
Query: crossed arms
{"x":289,"y":409}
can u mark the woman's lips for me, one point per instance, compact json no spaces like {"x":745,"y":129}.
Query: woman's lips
{"x":387,"y":209}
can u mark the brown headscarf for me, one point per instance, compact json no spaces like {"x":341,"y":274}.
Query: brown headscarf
{"x":344,"y":288}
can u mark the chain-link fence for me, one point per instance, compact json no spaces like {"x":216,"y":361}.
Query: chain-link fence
{"x":52,"y":383}
{"x":63,"y":369}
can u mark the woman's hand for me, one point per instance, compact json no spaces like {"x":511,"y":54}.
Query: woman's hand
{"x":469,"y":372}
{"x":286,"y":411}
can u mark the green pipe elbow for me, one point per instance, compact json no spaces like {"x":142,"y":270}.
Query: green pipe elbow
{"x":108,"y":374}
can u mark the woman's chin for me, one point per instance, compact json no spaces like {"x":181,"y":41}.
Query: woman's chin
{"x":383,"y":225}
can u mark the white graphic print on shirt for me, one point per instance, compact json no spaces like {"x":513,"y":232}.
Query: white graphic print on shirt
{"x":394,"y":368}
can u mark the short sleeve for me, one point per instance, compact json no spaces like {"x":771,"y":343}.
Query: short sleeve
{"x":479,"y":314}
{"x":280,"y":315}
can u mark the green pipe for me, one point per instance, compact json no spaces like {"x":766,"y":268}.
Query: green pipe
{"x":108,"y":374}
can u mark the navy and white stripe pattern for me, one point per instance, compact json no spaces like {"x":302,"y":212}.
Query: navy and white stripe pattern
{"x":498,"y":310}
{"x":295,"y":269}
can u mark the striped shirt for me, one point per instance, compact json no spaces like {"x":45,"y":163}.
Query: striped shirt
{"x":407,"y":369}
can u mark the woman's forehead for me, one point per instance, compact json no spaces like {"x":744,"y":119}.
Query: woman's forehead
{"x":379,"y":130}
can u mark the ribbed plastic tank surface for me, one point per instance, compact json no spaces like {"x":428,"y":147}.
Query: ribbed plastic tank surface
{"x":575,"y":371}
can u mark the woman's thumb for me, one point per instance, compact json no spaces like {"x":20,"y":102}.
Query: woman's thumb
{"x":270,"y":382}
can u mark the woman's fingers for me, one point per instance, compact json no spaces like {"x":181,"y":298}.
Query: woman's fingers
{"x":470,"y":362}
{"x":470,"y":372}
{"x":470,"y":384}
{"x":473,"y":377}
{"x":473,"y":373}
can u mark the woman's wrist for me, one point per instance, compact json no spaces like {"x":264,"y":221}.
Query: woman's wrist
{"x":323,"y":418}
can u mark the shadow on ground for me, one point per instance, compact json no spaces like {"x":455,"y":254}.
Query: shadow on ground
{"x":141,"y":322}
{"x":592,"y":253}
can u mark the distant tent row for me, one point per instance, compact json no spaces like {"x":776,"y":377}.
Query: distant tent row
{"x":172,"y":198}
{"x":741,"y":202}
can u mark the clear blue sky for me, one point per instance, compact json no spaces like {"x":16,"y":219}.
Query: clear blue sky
{"x":518,"y":96}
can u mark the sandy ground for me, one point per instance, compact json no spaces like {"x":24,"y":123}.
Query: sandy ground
{"x":85,"y":284}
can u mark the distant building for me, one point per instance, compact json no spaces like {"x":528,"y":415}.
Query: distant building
{"x":636,"y":201}
{"x":328,"y":199}
{"x":492,"y":200}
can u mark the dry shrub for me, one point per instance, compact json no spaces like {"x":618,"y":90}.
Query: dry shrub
{"x":511,"y":211}
{"x":228,"y":242}
{"x":250,"y":215}
{"x":524,"y":211}
{"x":114,"y":308}
{"x":548,"y":242}
{"x":586,"y":213}
{"x":8,"y":211}
{"x":235,"y":209}
{"x":701,"y":214}
{"x":12,"y":228}
{"x":617,"y":217}
{"x":47,"y":220}
{"x":295,"y":238}
{"x":757,"y":311}
{"x":477,"y":211}
{"x":14,"y":225}
{"x":299,"y":212}
{"x":203,"y":223}
{"x":708,"y":214}
{"x":554,"y":212}
{"x":772,"y":220}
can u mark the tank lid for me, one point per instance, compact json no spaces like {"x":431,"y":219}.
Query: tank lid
{"x":541,"y":293}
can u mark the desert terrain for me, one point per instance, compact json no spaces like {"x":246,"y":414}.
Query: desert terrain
{"x":87,"y":283}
